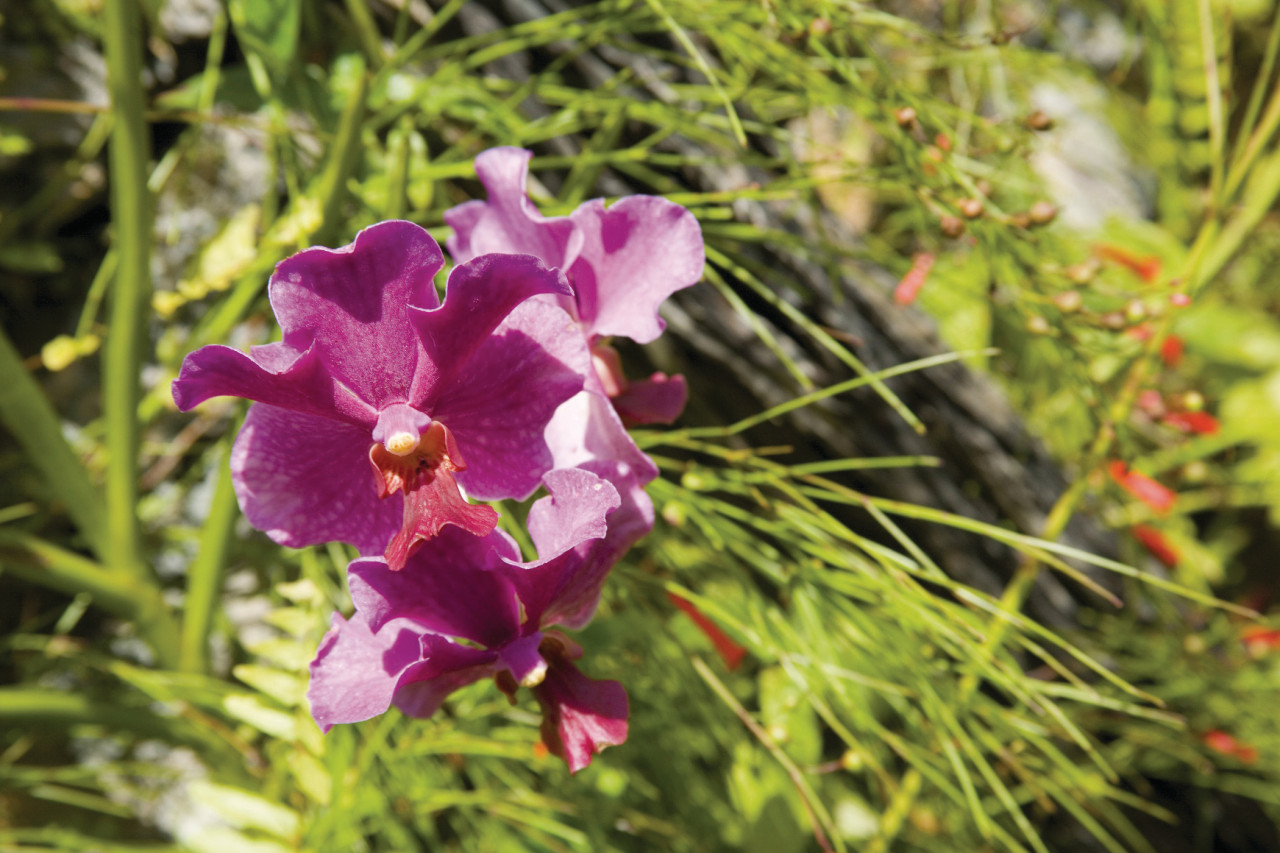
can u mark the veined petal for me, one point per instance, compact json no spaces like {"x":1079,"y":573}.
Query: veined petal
{"x":356,"y":672}
{"x":353,"y":306}
{"x":508,"y":222}
{"x":276,"y":374}
{"x":478,"y":298}
{"x":449,"y":667}
{"x":635,"y":254}
{"x":349,"y":348}
{"x":305,"y":480}
{"x":499,"y":405}
{"x":589,"y":563}
{"x":453,"y":585}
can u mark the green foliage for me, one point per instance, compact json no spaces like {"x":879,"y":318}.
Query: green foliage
{"x":159,"y":657}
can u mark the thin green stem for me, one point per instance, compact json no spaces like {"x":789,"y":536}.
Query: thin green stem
{"x":129,"y":150}
{"x":204,"y":577}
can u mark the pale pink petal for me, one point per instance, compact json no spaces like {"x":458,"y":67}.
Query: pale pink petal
{"x":356,"y":673}
{"x":635,"y":254}
{"x":508,"y":223}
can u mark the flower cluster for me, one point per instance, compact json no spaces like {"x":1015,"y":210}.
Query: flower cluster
{"x":383,"y":412}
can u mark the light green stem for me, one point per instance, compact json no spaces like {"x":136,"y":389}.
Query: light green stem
{"x":131,"y":294}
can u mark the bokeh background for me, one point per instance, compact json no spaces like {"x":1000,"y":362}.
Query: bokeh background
{"x":968,"y":537}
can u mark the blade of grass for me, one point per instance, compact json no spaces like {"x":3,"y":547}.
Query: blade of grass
{"x":34,"y":423}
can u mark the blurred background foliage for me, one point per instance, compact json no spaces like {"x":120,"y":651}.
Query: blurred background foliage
{"x":1081,"y":194}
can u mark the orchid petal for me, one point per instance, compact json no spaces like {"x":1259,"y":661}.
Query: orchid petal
{"x":356,"y":672}
{"x":499,"y":405}
{"x":306,"y":480}
{"x":508,"y":222}
{"x":453,"y":585}
{"x":657,"y":400}
{"x":635,"y":254}
{"x":581,"y":716}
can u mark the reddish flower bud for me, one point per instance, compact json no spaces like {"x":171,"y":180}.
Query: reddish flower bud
{"x":1171,"y":351}
{"x":1142,"y":487}
{"x":909,"y":288}
{"x":730,"y":652}
{"x":1155,"y":543}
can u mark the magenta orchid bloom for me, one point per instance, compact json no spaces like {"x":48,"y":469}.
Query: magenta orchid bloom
{"x":623,"y":261}
{"x":402,"y":645}
{"x":378,"y":390}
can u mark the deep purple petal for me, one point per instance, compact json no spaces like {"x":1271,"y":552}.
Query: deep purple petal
{"x":508,"y":222}
{"x":447,"y":667}
{"x":354,"y":303}
{"x":635,"y":254}
{"x":356,"y":673}
{"x":581,"y":716}
{"x":498,"y":407}
{"x":657,"y":400}
{"x":275,"y":373}
{"x":478,"y":298}
{"x":306,"y":480}
{"x":455,"y":585}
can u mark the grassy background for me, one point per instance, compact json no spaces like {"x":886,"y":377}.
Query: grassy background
{"x":156,"y":648}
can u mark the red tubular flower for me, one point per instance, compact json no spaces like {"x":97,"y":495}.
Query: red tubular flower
{"x":1260,"y":639}
{"x":909,"y":288}
{"x":1201,"y":423}
{"x":1220,"y":741}
{"x":731,"y":652}
{"x":1171,"y":351}
{"x":1142,"y":487}
{"x":1155,"y":542}
{"x":1148,"y":269}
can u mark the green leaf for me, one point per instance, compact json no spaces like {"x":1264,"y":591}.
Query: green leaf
{"x":268,"y":29}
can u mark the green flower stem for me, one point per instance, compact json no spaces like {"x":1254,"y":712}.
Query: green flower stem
{"x":27,"y":414}
{"x":118,"y":592}
{"x":204,"y":577}
{"x":128,"y":151}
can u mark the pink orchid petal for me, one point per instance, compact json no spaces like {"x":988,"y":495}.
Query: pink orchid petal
{"x":306,"y":480}
{"x":353,"y":305}
{"x":657,"y":400}
{"x":581,"y":716}
{"x":635,"y":254}
{"x":499,"y":405}
{"x":508,"y":222}
{"x":453,"y":585}
{"x":356,"y":672}
{"x":479,"y":296}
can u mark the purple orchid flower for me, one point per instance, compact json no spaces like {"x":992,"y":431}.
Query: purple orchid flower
{"x":377,"y":390}
{"x":623,"y":261}
{"x":401,"y":645}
